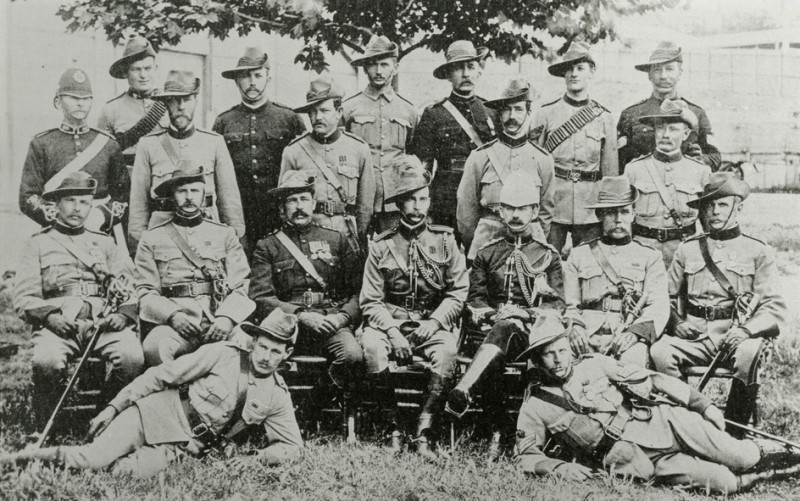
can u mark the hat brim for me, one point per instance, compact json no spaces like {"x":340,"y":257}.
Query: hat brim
{"x":119,"y":68}
{"x":400,"y":194}
{"x":364,"y":60}
{"x":255,"y":331}
{"x":539,"y":343}
{"x":646,"y":67}
{"x":718,"y":193}
{"x":163,"y":96}
{"x":279,"y":193}
{"x":442,"y":72}
{"x":310,"y":104}
{"x":558,"y":69}
{"x":235,"y":72}
{"x":165,"y":189}
{"x":56,"y":195}
{"x":499,"y":103}
{"x":77,"y":94}
{"x":653,"y":120}
{"x":614,"y":205}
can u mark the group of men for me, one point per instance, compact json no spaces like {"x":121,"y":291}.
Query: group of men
{"x":370,"y":238}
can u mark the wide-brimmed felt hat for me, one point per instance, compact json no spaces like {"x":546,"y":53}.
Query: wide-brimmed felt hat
{"x":459,"y":51}
{"x":74,"y":82}
{"x":517,"y":89}
{"x":280,"y":326}
{"x":135,"y":49}
{"x":378,"y":47}
{"x":320,"y":90}
{"x":720,"y":185}
{"x":409,"y":176}
{"x":613,"y":192}
{"x":253,"y":59}
{"x":184,"y":173}
{"x":520,"y":189}
{"x":672,"y":111}
{"x":179,"y":83}
{"x":77,"y":183}
{"x":292,"y":181}
{"x":547,"y":328}
{"x":577,"y":52}
{"x":665,"y":52}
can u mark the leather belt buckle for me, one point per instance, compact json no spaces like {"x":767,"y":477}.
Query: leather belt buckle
{"x":194,"y":290}
{"x":605,"y":304}
{"x":327,"y":208}
{"x":84,"y":288}
{"x":710,"y":312}
{"x":663,"y":235}
{"x":613,"y":432}
{"x":308,"y":299}
{"x":200,"y":430}
{"x":574,"y":176}
{"x":410,"y":303}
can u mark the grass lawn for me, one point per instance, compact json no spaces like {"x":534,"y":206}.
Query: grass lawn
{"x":331,"y":469}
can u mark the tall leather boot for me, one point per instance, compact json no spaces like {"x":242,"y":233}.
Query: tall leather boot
{"x":433,"y":405}
{"x":740,"y":406}
{"x":487,"y":358}
{"x":384,"y":394}
{"x":44,"y":397}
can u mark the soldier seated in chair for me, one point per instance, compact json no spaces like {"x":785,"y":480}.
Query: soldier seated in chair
{"x":631,"y":421}
{"x":721,"y":285}
{"x":511,"y":277}
{"x":60,"y":287}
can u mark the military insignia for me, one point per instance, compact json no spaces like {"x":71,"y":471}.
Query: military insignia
{"x":79,"y":76}
{"x":342,"y":159}
{"x":320,"y":250}
{"x":622,"y":142}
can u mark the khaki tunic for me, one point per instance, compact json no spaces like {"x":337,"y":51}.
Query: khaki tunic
{"x":153,"y":166}
{"x":385,"y":121}
{"x":123,"y":112}
{"x":592,"y":148}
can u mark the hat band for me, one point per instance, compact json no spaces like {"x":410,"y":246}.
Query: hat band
{"x":313,"y":96}
{"x":247,"y":61}
{"x":608,"y":197}
{"x":179,"y":87}
{"x":460,"y":55}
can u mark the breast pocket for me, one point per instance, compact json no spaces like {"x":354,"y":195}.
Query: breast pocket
{"x":649,"y":202}
{"x":58,"y":266}
{"x":213,"y":254}
{"x":160,"y":172}
{"x":399,"y":130}
{"x":696,"y":278}
{"x":632,"y":277}
{"x":233,"y":138}
{"x":348,"y":176}
{"x":742,"y":275}
{"x":490,"y":187}
{"x":255,"y":412}
{"x":685,"y":191}
{"x":168,"y":260}
{"x":210,"y":396}
{"x":364,"y":127}
{"x":594,"y":141}
{"x":284,"y":274}
{"x":592,"y":283}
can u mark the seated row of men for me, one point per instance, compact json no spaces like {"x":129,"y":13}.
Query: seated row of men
{"x":194,"y":286}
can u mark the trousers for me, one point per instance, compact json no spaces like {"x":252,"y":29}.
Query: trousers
{"x":671,"y":354}
{"x":440,"y":349}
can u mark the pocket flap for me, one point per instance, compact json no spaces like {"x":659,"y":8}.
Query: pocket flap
{"x":590,"y":271}
{"x":348,"y":171}
{"x":401,"y":121}
{"x":166,"y":253}
{"x":693,"y":266}
{"x":233,"y":137}
{"x":254,"y":412}
{"x":282,"y":266}
{"x":561,"y":424}
{"x":742,"y":269}
{"x":363,"y":119}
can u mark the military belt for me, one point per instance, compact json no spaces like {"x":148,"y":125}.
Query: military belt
{"x":334,"y":208}
{"x":129,"y":158}
{"x":608,"y":303}
{"x":190,"y":289}
{"x":83,"y":289}
{"x":310,"y":299}
{"x":710,"y":312}
{"x":408,"y":302}
{"x":663,"y":234}
{"x":166,"y":205}
{"x":199,"y":429}
{"x":612,"y":432}
{"x":576,"y":175}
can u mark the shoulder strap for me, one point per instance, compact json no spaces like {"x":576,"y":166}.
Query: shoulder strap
{"x":550,"y":398}
{"x":663,"y":192}
{"x":602,"y":260}
{"x":332,"y":178}
{"x":494,"y":160}
{"x":169,"y":149}
{"x":301,"y":258}
{"x":396,"y":255}
{"x":463,"y":122}
{"x":244,"y":375}
{"x":576,"y":122}
{"x":77,"y":163}
{"x":78,"y":252}
{"x":714,"y":269}
{"x":187,"y":251}
{"x":144,"y":126}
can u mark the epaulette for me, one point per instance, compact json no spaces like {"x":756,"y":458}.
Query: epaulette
{"x":600,"y":106}
{"x":385,"y":234}
{"x":353,"y":96}
{"x":161,"y":224}
{"x":404,"y":99}
{"x":538,"y":147}
{"x":43,"y":230}
{"x":218,"y":223}
{"x":486,"y":144}
{"x":440,"y":228}
{"x":646,"y":246}
{"x":94,"y":232}
{"x":156,"y":132}
{"x":595,"y":239}
{"x":697,"y":236}
{"x":636,"y":104}
{"x":211,"y":132}
{"x":754,"y":238}
{"x":546,"y":245}
{"x":281,"y":105}
{"x":115,"y":98}
{"x":103,"y":132}
{"x":353,"y":136}
{"x":301,"y":136}
{"x":280,"y":382}
{"x":46,"y":132}
{"x":551,"y":103}
{"x":693,"y":159}
{"x":640,"y":158}
{"x":689,"y":102}
{"x":233,"y":108}
{"x":491,"y":242}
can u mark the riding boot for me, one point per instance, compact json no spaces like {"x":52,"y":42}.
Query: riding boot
{"x":774,"y":455}
{"x":385,"y":398}
{"x":741,"y":406}
{"x":432,"y":406}
{"x":487,"y":358}
{"x":45,"y":394}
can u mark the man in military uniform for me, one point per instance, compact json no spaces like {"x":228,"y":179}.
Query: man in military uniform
{"x":159,"y":154}
{"x":511,"y":278}
{"x":666,"y":180}
{"x":311,"y":271}
{"x":632,"y":421}
{"x":340,"y":163}
{"x":256,"y":132}
{"x":198,"y":402}
{"x":635,"y":138}
{"x":615,"y":287}
{"x":57,"y":153}
{"x":134,"y":114}
{"x":191,"y":274}
{"x":580,"y":135}
{"x":414,"y":288}
{"x":384,"y":119}
{"x":722,"y":287}
{"x":60,"y":286}
{"x":451,"y":128}
{"x":488,"y":167}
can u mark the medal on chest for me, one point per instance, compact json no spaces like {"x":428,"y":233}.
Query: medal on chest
{"x":320,"y":250}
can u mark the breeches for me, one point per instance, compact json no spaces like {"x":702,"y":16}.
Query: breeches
{"x":342,"y":351}
{"x":671,"y":354}
{"x":51,"y":353}
{"x":440,"y":350}
{"x":510,"y":336}
{"x":164,"y":344}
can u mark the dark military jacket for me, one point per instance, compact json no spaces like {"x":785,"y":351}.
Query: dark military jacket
{"x":256,"y":138}
{"x":636,"y":139}
{"x":51,"y":150}
{"x":278,"y":280}
{"x":439,"y":137}
{"x":487,"y":277}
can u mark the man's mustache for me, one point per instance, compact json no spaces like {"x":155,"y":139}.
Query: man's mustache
{"x":300,"y":212}
{"x":510,"y":122}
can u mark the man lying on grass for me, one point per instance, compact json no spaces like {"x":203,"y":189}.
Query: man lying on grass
{"x":199,"y":401}
{"x":633,"y":422}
